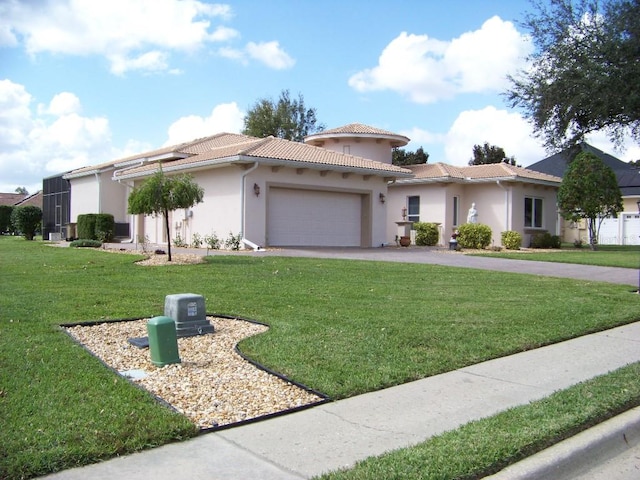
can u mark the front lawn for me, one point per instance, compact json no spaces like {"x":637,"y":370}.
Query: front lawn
{"x":340,"y":327}
{"x":623,"y":256}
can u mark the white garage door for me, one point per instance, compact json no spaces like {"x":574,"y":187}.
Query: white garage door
{"x":609,"y":232}
{"x":313,"y":218}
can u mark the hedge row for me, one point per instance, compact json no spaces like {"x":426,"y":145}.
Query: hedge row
{"x":96,"y":226}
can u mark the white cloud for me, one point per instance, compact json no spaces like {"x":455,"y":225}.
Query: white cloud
{"x":270,"y":54}
{"x":52,"y":140}
{"x":428,"y":70}
{"x":501,"y":128}
{"x":133,"y":35}
{"x":226,"y":117}
{"x":61,"y":104}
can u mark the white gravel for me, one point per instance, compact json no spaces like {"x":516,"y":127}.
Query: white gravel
{"x":212,"y":386}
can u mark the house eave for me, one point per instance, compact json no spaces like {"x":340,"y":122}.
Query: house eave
{"x":246,"y":159}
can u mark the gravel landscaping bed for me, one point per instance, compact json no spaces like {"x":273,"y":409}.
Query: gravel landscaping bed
{"x":213,"y":385}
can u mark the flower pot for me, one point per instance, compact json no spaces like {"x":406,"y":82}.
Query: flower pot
{"x":405,"y":241}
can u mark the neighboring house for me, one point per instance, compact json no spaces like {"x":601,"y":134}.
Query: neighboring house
{"x":20,"y":199}
{"x":622,"y":230}
{"x":506,"y":198}
{"x":275,"y":192}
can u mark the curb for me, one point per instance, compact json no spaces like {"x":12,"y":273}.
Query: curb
{"x":580,"y":452}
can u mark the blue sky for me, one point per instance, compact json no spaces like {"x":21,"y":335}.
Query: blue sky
{"x":84,"y":81}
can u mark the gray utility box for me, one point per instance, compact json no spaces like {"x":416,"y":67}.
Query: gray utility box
{"x":189,"y":313}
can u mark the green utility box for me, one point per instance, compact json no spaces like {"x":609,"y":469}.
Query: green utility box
{"x":163,"y":342}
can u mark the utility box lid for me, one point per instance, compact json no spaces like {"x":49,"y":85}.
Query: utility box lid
{"x":189,"y":313}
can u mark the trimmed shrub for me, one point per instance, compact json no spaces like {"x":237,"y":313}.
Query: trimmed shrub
{"x":426,"y":233}
{"x":105,"y":227}
{"x":511,"y":240}
{"x":96,"y":226}
{"x":474,"y":235}
{"x":545,"y":240}
{"x":87,"y":226}
{"x":85,"y":243}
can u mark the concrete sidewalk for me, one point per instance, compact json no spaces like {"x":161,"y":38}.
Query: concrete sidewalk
{"x":338,"y":434}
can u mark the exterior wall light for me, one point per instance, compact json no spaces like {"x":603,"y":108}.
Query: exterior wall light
{"x":383,"y":198}
{"x":256,"y":189}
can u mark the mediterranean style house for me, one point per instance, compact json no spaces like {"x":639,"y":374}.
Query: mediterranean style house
{"x":337,"y":189}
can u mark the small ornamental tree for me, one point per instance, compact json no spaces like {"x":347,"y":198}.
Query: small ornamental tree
{"x":161,"y":194}
{"x":26,"y":220}
{"x":589,"y":190}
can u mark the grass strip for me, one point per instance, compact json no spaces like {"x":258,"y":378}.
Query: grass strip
{"x":621,"y":256}
{"x":338,"y":326}
{"x":486,"y":446}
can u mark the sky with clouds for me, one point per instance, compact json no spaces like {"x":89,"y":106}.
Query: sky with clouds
{"x":85,"y":82}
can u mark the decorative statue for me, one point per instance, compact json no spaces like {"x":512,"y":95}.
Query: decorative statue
{"x":472,"y":216}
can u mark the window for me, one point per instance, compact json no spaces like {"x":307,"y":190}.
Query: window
{"x":346,"y":149}
{"x":533,"y":212}
{"x":456,"y":210}
{"x":413,"y":209}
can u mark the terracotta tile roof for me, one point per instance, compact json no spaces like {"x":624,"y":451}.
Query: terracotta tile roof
{"x":355,"y":130}
{"x":228,"y":148}
{"x":474,"y":173}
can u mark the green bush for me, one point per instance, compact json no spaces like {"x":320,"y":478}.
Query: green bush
{"x":105,"y":227}
{"x":511,"y":240}
{"x":426,"y":233}
{"x":87,"y":226}
{"x":212,"y":241}
{"x":5,"y":219}
{"x":27,"y":220}
{"x":545,"y":240}
{"x":85,"y":242}
{"x":474,"y":235}
{"x":96,"y":226}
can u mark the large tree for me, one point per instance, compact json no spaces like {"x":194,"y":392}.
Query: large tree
{"x":486,"y":154}
{"x":584,"y":70}
{"x":161,"y":194}
{"x":401,"y":157}
{"x":287,"y":118}
{"x":589,"y":190}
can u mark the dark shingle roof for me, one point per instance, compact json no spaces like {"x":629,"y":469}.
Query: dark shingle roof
{"x":557,"y":164}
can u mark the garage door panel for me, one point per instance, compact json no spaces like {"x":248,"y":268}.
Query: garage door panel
{"x":313,"y":218}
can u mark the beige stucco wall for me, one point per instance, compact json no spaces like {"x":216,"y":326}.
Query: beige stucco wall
{"x":499,"y":205}
{"x":98,"y":194}
{"x":221,"y":211}
{"x":84,"y":196}
{"x":371,"y":148}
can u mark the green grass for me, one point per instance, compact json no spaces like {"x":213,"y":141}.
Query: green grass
{"x":341,"y":327}
{"x":623,"y":256}
{"x":486,"y":446}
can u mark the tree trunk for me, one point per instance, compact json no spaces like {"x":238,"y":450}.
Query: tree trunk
{"x":593,"y":234}
{"x":168,"y":231}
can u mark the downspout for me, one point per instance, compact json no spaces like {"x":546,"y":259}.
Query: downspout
{"x":97,"y":174}
{"x":255,"y":247}
{"x":507,"y":217}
